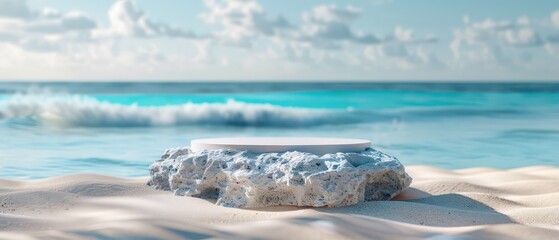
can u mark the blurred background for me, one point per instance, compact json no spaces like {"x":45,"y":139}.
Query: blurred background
{"x":106,"y":86}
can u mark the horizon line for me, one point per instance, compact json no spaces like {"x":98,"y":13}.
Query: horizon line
{"x":280,"y":81}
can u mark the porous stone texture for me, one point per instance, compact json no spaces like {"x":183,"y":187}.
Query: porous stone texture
{"x":248,"y":180}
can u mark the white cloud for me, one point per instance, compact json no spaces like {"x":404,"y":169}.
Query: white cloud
{"x":332,"y":13}
{"x":552,"y":44}
{"x":50,"y":30}
{"x":523,"y":21}
{"x":555,"y":18}
{"x":241,"y":21}
{"x":523,"y":37}
{"x":402,"y":57}
{"x":518,"y":33}
{"x":327,"y":27}
{"x":15,"y":16}
{"x":46,"y":30}
{"x":54,"y":23}
{"x":58,"y":42}
{"x":505,"y":42}
{"x":394,"y":52}
{"x":402,"y":35}
{"x":325,"y":37}
{"x":128,"y":19}
{"x":326,"y":23}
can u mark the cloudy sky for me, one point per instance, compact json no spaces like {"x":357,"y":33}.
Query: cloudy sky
{"x":279,"y":40}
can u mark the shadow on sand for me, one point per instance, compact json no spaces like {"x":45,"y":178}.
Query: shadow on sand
{"x":414,"y":206}
{"x":383,"y":219}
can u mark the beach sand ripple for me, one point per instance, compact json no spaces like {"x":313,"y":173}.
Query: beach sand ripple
{"x":469,"y":203}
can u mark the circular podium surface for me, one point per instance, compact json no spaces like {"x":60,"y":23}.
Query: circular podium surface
{"x":317,"y":146}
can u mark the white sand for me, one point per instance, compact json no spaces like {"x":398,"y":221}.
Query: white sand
{"x":470,"y":203}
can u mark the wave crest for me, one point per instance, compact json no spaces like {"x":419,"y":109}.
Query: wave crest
{"x":84,"y":111}
{"x":75,"y":110}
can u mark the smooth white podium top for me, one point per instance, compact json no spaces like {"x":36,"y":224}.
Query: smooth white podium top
{"x":268,"y":144}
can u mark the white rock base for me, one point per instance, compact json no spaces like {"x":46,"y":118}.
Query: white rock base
{"x":247,"y":180}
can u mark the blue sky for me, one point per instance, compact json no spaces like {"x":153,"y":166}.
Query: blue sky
{"x":378,"y":40}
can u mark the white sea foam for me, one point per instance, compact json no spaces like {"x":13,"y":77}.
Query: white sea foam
{"x":76,"y":110}
{"x":85,"y":111}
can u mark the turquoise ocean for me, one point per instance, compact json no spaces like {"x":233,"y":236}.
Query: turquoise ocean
{"x":119,"y":129}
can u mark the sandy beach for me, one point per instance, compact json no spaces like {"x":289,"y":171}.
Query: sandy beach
{"x":252,"y":119}
{"x":470,"y":203}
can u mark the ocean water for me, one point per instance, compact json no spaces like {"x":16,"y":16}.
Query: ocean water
{"x":52,"y":129}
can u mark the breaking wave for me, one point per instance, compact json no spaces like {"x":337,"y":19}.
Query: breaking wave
{"x":76,"y":110}
{"x":83,"y":111}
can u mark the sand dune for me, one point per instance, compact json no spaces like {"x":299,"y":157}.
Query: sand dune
{"x":469,"y":203}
